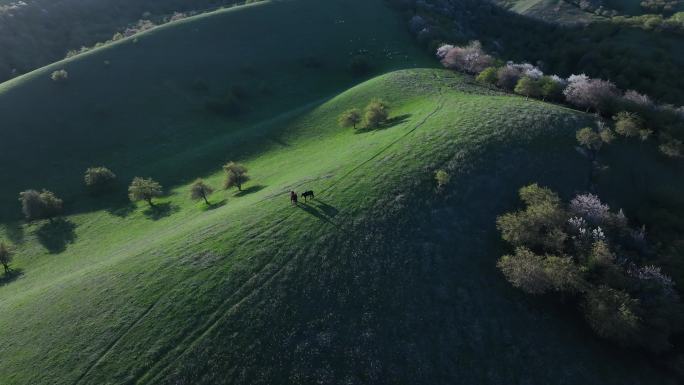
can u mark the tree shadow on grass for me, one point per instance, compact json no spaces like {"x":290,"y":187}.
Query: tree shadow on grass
{"x":249,"y":190}
{"x":389,"y":123}
{"x":55,"y":235}
{"x":10,"y":276}
{"x":14,"y":231}
{"x":123,"y":210}
{"x":160,"y":210}
{"x":214,"y":205}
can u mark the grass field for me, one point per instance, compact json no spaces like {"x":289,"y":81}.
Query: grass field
{"x":380,"y":279}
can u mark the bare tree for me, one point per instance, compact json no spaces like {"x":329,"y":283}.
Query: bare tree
{"x":200,"y":190}
{"x":236,"y":175}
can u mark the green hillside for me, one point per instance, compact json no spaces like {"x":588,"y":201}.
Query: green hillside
{"x":140,"y":105}
{"x":380,"y":279}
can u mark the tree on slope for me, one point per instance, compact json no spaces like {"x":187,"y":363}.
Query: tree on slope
{"x":350,"y":118}
{"x":144,"y":189}
{"x":236,"y":175}
{"x":376,"y":113}
{"x":5,"y":256}
{"x":200,"y":190}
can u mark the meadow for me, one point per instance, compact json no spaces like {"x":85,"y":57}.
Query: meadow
{"x":380,"y":279}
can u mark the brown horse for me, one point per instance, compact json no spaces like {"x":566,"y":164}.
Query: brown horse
{"x":293,"y":198}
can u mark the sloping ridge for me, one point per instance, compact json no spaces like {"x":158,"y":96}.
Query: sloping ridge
{"x":380,"y":279}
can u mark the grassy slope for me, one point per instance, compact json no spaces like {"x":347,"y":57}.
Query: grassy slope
{"x":259,"y":292}
{"x":378,"y":280}
{"x":97,"y":116}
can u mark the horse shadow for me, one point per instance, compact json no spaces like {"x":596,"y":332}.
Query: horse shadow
{"x":10,"y":276}
{"x":249,"y":190}
{"x":56,"y":234}
{"x":319,"y":209}
{"x":389,"y":123}
{"x":160,"y":210}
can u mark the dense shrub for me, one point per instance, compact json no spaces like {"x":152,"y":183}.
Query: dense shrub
{"x":376,"y":113}
{"x":99,"y":179}
{"x":586,"y":250}
{"x":59,"y":76}
{"x":442,"y":177}
{"x":488,"y":75}
{"x":144,"y":189}
{"x":589,"y":138}
{"x":470,"y":58}
{"x":584,"y":92}
{"x":528,"y":87}
{"x":40,"y":205}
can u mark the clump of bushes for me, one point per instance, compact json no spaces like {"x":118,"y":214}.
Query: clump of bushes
{"x":635,"y":114}
{"x":374,"y":115}
{"x":470,"y":58}
{"x":40,"y":205}
{"x":442,"y":178}
{"x":99,"y":179}
{"x":59,"y":76}
{"x":586,"y":251}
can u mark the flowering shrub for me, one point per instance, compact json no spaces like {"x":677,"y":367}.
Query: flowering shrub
{"x":585,"y":250}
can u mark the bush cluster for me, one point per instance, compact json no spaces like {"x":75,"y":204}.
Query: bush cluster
{"x":374,"y":115}
{"x":587,"y":251}
{"x":635,"y":114}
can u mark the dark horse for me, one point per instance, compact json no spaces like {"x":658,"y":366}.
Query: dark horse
{"x":308,"y":194}
{"x":293,"y":198}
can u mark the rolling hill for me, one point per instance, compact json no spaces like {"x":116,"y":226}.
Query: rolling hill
{"x":380,"y":279}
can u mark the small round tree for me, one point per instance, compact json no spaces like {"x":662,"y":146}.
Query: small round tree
{"x":59,"y":76}
{"x":5,"y":256}
{"x":488,"y":76}
{"x":200,"y":190}
{"x":628,"y":124}
{"x":236,"y":175}
{"x":528,"y":87}
{"x":376,"y":113}
{"x":99,"y":179}
{"x":350,"y":118}
{"x":589,"y":138}
{"x":442,"y":178}
{"x":144,"y":189}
